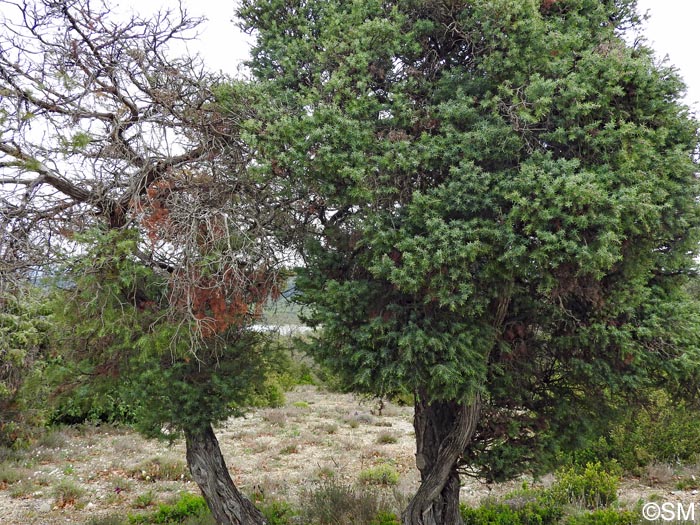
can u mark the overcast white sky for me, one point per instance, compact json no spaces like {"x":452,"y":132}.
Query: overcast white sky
{"x":672,"y":30}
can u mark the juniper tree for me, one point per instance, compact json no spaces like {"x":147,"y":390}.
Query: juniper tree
{"x":501,"y":214}
{"x":122,"y":168}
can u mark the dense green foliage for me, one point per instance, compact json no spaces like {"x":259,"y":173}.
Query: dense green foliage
{"x":661,"y":430}
{"x":186,"y":506}
{"x":500,"y":198}
{"x":25,"y":322}
{"x":116,"y":336}
{"x":590,"y":487}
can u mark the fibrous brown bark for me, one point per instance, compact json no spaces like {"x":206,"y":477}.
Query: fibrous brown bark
{"x":208,"y":469}
{"x":443,"y":430}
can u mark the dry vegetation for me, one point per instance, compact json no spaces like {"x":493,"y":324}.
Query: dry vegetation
{"x":73,"y":475}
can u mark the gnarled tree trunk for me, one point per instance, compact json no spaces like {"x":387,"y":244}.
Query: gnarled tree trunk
{"x":443,"y":430}
{"x":206,"y":463}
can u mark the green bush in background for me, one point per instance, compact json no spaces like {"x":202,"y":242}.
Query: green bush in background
{"x":591,"y":487}
{"x":662,"y":430}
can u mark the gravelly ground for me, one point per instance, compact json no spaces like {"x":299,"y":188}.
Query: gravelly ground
{"x":278,"y":452}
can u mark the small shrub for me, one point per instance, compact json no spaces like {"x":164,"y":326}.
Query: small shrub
{"x":23,"y":489}
{"x":530,"y":513}
{"x":144,"y":500}
{"x":333,"y":503}
{"x":325,"y":473}
{"x":120,"y":484}
{"x":186,"y":506}
{"x":385,"y":518}
{"x":10,"y":474}
{"x":657,"y":474}
{"x":329,"y":429}
{"x":54,"y":438}
{"x":662,"y":431}
{"x":687,"y":484}
{"x":161,"y":469}
{"x":591,"y":487}
{"x":522,"y":507}
{"x":276,"y":417}
{"x":386,"y":438}
{"x":293,"y":448}
{"x":278,"y":513}
{"x":67,"y":493}
{"x":200,"y":519}
{"x":269,"y":394}
{"x":379,"y":475}
{"x":604,"y":517}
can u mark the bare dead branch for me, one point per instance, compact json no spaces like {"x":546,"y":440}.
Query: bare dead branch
{"x":101,"y":125}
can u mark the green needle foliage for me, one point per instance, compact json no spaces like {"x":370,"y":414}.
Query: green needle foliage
{"x":115,"y":330}
{"x":25,"y":323}
{"x":500,"y":198}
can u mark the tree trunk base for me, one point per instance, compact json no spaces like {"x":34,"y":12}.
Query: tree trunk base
{"x":443,"y":430}
{"x":208,"y":469}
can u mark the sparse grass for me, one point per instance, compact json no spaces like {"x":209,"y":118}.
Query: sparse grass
{"x":23,"y":489}
{"x":67,"y":493}
{"x":159,"y":468}
{"x":145,"y":500}
{"x":276,"y":418}
{"x":658,"y":474}
{"x":380,"y":475}
{"x":120,"y":484}
{"x":10,"y":474}
{"x":292,"y":448}
{"x":112,"y":519}
{"x":333,"y":503}
{"x":689,"y":483}
{"x":386,"y":438}
{"x":53,"y":439}
{"x":125,"y":445}
{"x":328,"y":428}
{"x":10,"y":455}
{"x":324,"y":473}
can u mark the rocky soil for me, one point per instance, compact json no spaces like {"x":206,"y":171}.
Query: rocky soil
{"x":76,"y":474}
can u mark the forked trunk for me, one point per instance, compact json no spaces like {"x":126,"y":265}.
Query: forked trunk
{"x":443,"y":430}
{"x":208,"y":469}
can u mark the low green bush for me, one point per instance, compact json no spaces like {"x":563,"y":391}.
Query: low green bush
{"x":662,"y":430}
{"x":604,"y":517}
{"x":379,"y":475}
{"x":186,"y":507}
{"x":385,"y":518}
{"x":94,"y":403}
{"x":278,"y":512}
{"x":591,"y":487}
{"x":524,"y":507}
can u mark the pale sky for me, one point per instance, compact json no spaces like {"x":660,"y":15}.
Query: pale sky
{"x":672,"y":30}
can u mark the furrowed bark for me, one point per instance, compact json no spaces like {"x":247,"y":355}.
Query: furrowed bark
{"x":443,"y":430}
{"x":208,"y":469}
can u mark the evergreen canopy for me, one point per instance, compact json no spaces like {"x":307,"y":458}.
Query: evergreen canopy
{"x":501,"y":204}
